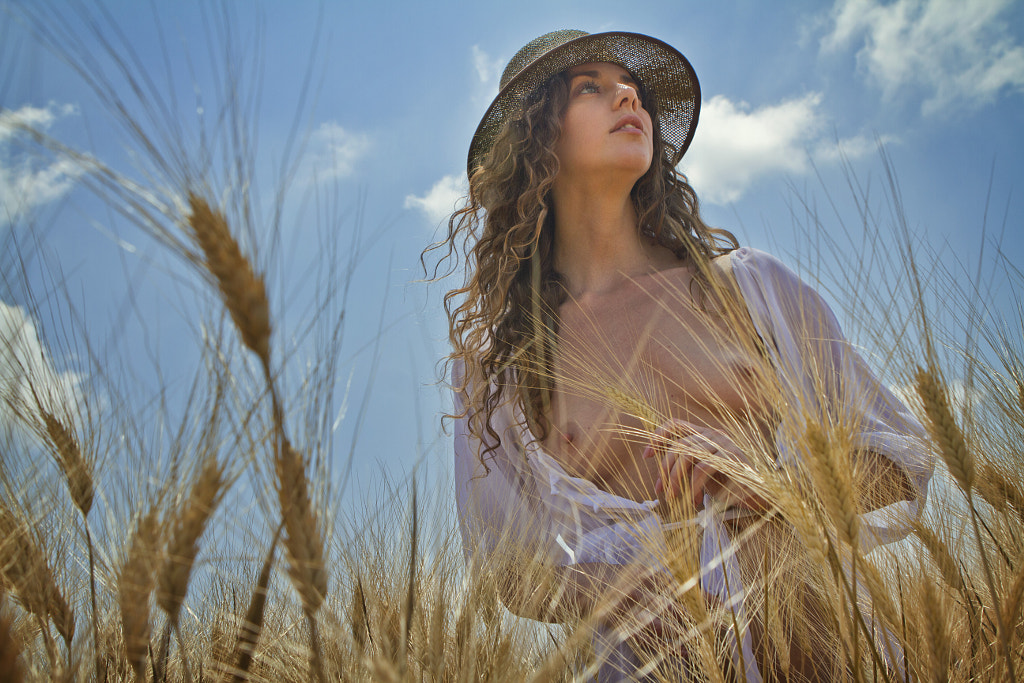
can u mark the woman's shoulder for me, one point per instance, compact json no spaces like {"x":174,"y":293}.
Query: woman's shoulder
{"x":751,"y":266}
{"x":753,"y":258}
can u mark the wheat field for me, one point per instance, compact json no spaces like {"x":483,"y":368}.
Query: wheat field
{"x":125,"y":553}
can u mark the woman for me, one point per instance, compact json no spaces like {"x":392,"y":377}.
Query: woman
{"x":636,"y":397}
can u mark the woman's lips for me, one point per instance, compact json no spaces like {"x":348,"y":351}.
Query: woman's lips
{"x":629,"y":123}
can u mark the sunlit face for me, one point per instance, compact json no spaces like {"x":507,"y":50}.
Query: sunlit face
{"x":605,"y":129}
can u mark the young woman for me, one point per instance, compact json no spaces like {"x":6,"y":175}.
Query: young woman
{"x":635,"y":395}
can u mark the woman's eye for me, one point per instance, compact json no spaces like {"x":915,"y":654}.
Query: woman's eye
{"x":589,"y":87}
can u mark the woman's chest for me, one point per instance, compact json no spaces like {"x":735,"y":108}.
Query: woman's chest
{"x":623,"y":369}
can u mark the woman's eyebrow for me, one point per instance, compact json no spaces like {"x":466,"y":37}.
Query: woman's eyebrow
{"x":625,"y":77}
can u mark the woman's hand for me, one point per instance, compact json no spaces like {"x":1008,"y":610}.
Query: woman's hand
{"x":701,"y":456}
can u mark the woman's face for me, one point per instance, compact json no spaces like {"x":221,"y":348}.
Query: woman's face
{"x":605,"y":129}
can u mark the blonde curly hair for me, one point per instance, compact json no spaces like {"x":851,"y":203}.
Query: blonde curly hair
{"x":503,"y":321}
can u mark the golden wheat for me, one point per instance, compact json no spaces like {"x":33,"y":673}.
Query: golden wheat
{"x":252,"y":624}
{"x":944,"y":429}
{"x":243,"y":291}
{"x":26,"y":573}
{"x":68,"y":455}
{"x":10,"y":647}
{"x":135,"y":587}
{"x":833,"y":480}
{"x":183,"y":538}
{"x":303,"y":539}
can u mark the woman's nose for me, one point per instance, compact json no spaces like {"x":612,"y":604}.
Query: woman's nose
{"x":627,"y":96}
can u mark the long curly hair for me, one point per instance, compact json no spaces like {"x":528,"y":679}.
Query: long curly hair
{"x":503,"y":321}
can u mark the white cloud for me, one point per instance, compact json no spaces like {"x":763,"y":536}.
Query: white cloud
{"x":36,"y":118}
{"x":735,"y":145}
{"x":27,"y":181}
{"x":856,"y":147}
{"x":336,"y":151}
{"x":24,"y":363}
{"x":488,"y":70}
{"x":440,"y":201}
{"x":959,"y":51}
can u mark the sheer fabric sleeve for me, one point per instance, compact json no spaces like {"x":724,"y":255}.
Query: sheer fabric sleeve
{"x":501,"y":517}
{"x":824,"y":378}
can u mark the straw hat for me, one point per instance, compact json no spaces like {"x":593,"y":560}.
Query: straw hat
{"x":661,"y":69}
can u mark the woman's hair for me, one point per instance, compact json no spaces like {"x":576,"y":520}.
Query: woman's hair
{"x":503,"y":321}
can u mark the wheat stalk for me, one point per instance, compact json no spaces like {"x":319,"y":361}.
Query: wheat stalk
{"x":243,"y":291}
{"x":135,"y":585}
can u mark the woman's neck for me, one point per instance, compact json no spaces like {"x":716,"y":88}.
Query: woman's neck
{"x":597,"y":244}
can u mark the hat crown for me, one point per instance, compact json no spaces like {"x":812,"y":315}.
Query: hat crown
{"x":536,"y":49}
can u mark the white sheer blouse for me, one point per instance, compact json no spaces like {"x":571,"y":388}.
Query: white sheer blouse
{"x":523,"y":493}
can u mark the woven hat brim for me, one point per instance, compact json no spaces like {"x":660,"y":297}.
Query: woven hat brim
{"x":661,"y":68}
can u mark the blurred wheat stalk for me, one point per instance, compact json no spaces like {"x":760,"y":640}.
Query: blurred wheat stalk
{"x":384,"y":604}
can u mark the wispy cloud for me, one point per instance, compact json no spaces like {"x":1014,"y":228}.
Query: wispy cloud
{"x":960,"y":52}
{"x":28,"y":181}
{"x":735,"y":144}
{"x":439,"y":202}
{"x":24,"y":363}
{"x":488,"y":70}
{"x":335,"y":152}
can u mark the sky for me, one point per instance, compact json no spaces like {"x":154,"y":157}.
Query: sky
{"x":367,"y":110}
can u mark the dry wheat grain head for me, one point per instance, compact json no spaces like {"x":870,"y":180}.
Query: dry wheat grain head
{"x":27,"y":574}
{"x":184,"y":533}
{"x":242,"y":290}
{"x":135,"y":584}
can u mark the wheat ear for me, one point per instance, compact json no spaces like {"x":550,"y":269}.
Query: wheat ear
{"x":10,"y":647}
{"x":135,"y":585}
{"x":303,"y":540}
{"x":26,"y":572}
{"x":1014,"y":598}
{"x":252,"y":626}
{"x":78,"y":473}
{"x":943,"y":559}
{"x":945,"y":430}
{"x":243,"y":291}
{"x":183,"y":542}
{"x":834,"y":481}
{"x":998,"y":489}
{"x":68,"y":455}
{"x":937,"y":632}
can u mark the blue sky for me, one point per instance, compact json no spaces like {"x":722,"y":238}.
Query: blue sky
{"x":385,"y":97}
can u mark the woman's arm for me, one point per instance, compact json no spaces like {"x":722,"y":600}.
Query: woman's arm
{"x":825,"y":379}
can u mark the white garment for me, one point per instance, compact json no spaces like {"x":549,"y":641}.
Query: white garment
{"x":569,"y":520}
